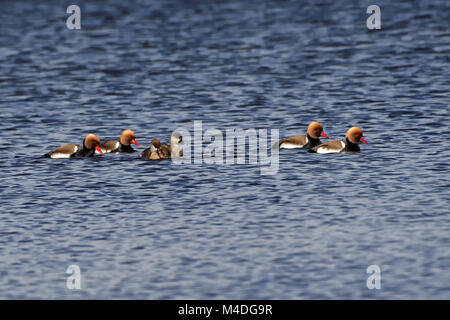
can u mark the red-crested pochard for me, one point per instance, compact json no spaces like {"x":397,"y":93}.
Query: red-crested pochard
{"x":123,"y":145}
{"x":174,"y":150}
{"x":353,"y":136}
{"x":90,"y":144}
{"x":154,"y":152}
{"x":310,"y":140}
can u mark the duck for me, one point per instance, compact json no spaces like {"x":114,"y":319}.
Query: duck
{"x":90,"y":144}
{"x":174,"y":150}
{"x":308,"y":141}
{"x":353,"y":136}
{"x":122,"y":145}
{"x":154,"y":152}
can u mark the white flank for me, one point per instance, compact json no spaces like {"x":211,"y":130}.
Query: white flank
{"x":328,"y":150}
{"x":63,"y":155}
{"x":60,"y":155}
{"x":285,"y":145}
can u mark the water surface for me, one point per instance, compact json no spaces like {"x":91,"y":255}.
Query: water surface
{"x":155,"y":230}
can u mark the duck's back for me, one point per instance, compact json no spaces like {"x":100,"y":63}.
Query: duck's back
{"x":64,"y":151}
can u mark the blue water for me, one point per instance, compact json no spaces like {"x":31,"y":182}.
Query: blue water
{"x":155,"y":230}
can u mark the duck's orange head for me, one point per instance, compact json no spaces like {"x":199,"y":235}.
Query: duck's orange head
{"x":315,"y":130}
{"x":355,"y":135}
{"x":92,"y":142}
{"x":127,"y":137}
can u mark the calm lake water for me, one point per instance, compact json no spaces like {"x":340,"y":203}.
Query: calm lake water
{"x":155,"y":230}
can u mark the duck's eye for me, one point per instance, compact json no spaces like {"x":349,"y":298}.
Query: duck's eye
{"x":181,"y":139}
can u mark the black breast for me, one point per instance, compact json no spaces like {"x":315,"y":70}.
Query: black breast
{"x":83,"y":153}
{"x":123,"y":148}
{"x":350,"y":146}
